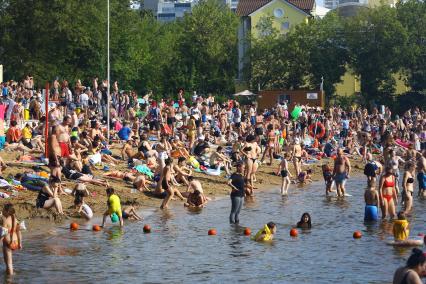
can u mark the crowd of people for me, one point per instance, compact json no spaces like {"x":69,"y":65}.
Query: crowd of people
{"x":165,"y":142}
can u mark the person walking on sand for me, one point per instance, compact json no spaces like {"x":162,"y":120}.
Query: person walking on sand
{"x":341,"y":172}
{"x":237,"y":184}
{"x":12,"y":240}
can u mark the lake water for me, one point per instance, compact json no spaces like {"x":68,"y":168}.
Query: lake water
{"x":179,"y":249}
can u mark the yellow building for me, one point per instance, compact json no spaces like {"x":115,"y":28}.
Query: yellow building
{"x":285,"y":14}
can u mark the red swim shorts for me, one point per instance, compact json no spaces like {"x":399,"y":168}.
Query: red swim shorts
{"x":65,"y":150}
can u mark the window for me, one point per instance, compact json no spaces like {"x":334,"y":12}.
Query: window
{"x":278,"y":13}
{"x":285,"y":26}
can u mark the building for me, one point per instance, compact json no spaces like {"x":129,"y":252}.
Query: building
{"x":170,"y":11}
{"x":269,"y":98}
{"x":331,"y":4}
{"x":285,"y":14}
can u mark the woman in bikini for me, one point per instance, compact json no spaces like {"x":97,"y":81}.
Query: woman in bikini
{"x":270,"y":144}
{"x":387,"y":193}
{"x":408,"y":186}
{"x":13,"y":239}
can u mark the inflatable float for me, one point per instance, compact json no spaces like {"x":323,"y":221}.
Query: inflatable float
{"x":213,"y":172}
{"x":413,"y":242}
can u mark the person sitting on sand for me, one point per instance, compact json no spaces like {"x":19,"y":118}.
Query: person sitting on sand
{"x":129,"y":213}
{"x":13,"y":239}
{"x":267,"y":233}
{"x":371,"y":197}
{"x":47,"y":196}
{"x":114,"y":206}
{"x":305,"y":221}
{"x":219,"y":158}
{"x":74,"y":175}
{"x":141,"y":183}
{"x":401,"y":230}
{"x":182,"y":172}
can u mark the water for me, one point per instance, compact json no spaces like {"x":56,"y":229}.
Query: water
{"x":179,"y":249}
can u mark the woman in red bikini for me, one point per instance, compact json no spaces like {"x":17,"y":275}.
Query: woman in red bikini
{"x":387,"y":193}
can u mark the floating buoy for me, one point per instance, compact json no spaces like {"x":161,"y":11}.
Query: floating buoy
{"x":96,"y":228}
{"x":294,"y":233}
{"x":212,"y":232}
{"x":74,"y":226}
{"x":147,"y":229}
{"x":247,"y":232}
{"x":357,"y":235}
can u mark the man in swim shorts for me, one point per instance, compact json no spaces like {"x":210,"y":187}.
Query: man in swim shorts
{"x":421,"y":176}
{"x":342,"y":169}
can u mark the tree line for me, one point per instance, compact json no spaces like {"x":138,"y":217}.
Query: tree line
{"x":67,"y":39}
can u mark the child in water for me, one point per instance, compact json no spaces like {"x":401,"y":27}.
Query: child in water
{"x":371,"y":197}
{"x":13,"y":238}
{"x":400,"y":228}
{"x":327,"y":173}
{"x":285,"y":174}
{"x":304,"y":177}
{"x":129,"y":212}
{"x":267,"y":233}
{"x":305,"y":221}
{"x":114,"y":206}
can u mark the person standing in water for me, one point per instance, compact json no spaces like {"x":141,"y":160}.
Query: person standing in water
{"x":408,"y":186}
{"x":13,"y":239}
{"x":341,"y":172}
{"x":167,"y":185}
{"x":413,"y":270}
{"x":285,"y":174}
{"x":237,"y":184}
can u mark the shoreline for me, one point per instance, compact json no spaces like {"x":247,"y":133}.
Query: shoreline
{"x":214,"y":186}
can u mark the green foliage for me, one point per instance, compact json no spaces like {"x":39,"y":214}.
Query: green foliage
{"x":67,"y":39}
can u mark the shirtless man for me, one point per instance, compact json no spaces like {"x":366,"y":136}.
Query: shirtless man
{"x":421,"y":176}
{"x":127,"y":150}
{"x":341,"y":172}
{"x":196,"y":198}
{"x":63,"y":136}
{"x":171,"y":119}
{"x":297,"y":156}
{"x":166,"y":184}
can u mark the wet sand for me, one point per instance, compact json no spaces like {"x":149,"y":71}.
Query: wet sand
{"x":213,"y":186}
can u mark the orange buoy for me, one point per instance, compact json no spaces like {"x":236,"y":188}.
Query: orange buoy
{"x":294,"y":233}
{"x":357,"y":235}
{"x":74,"y":226}
{"x":147,"y":229}
{"x":247,"y":232}
{"x":96,"y":228}
{"x":212,"y":232}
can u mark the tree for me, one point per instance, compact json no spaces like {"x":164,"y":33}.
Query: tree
{"x":377,"y":42}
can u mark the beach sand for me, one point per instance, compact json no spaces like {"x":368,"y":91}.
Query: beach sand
{"x":213,"y":186}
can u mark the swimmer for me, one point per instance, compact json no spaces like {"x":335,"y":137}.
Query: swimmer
{"x":371,"y":197}
{"x":114,"y":206}
{"x":285,"y":174}
{"x":401,"y":230}
{"x":413,"y":270}
{"x":129,"y":212}
{"x":305,"y":221}
{"x":267,"y":233}
{"x":13,"y":240}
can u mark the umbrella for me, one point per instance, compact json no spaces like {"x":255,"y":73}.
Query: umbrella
{"x":245,"y":93}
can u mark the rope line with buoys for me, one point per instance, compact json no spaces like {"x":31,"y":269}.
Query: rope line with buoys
{"x":317,"y":130}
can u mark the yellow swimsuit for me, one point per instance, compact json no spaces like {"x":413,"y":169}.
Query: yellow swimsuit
{"x":114,"y":205}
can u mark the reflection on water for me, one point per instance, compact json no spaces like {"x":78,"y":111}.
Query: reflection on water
{"x":179,"y":249}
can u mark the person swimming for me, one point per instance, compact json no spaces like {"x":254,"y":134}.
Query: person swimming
{"x":305,"y":221}
{"x":267,"y":233}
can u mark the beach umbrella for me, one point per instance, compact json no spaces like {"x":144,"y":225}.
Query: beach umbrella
{"x":245,"y":93}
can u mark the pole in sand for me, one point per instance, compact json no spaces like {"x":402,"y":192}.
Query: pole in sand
{"x":46,"y":127}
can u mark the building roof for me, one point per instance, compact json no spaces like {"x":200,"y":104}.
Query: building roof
{"x":246,"y":7}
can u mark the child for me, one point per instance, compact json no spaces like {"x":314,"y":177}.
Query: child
{"x":80,"y":191}
{"x":328,"y":178}
{"x":371,"y":197}
{"x":114,"y":206}
{"x":400,"y":228}
{"x":129,"y":212}
{"x":267,"y":233}
{"x":305,"y":221}
{"x":13,"y":240}
{"x":305,"y":176}
{"x":285,"y":173}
